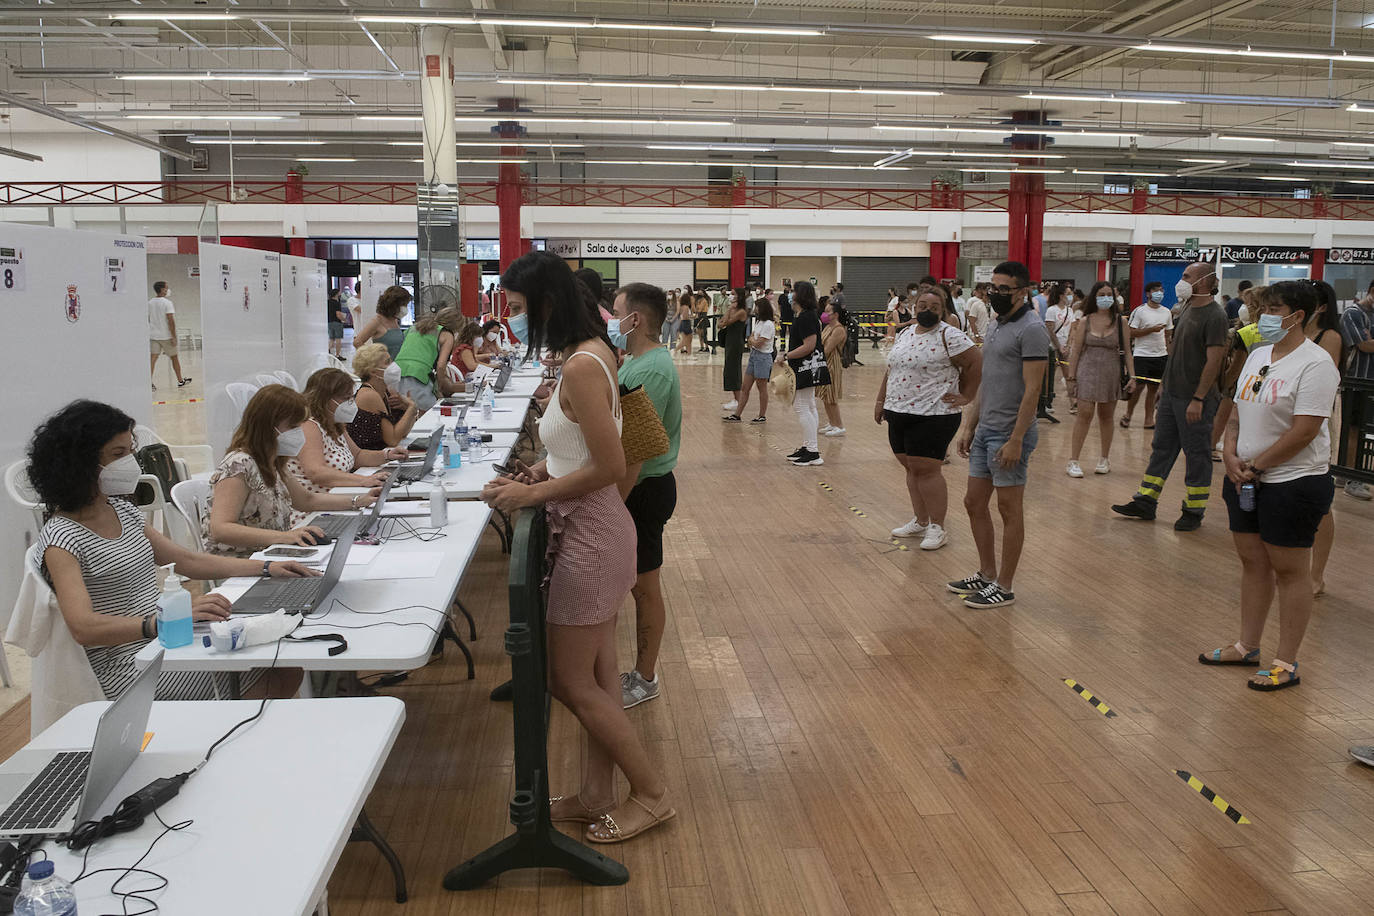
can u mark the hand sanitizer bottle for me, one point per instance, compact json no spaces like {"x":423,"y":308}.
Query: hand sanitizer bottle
{"x":173,"y":612}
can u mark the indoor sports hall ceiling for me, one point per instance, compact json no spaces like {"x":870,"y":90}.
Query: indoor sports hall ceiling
{"x":1270,"y":95}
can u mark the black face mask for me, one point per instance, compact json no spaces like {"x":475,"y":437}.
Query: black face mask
{"x":927,"y":319}
{"x":1000,"y":302}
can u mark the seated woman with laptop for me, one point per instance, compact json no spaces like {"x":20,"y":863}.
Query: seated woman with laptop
{"x":385,"y":416}
{"x":252,"y":494}
{"x":329,"y":456}
{"x":101,"y":557}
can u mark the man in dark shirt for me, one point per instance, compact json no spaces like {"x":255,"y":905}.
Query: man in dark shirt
{"x":784,"y":313}
{"x":1234,"y":304}
{"x":1188,"y":400}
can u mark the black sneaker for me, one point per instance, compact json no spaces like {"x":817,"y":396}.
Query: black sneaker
{"x":184,"y":382}
{"x":733,"y":418}
{"x":797,"y":454}
{"x":970,"y":586}
{"x":1188,"y":521}
{"x":992,"y":596}
{"x":759,"y":420}
{"x":808,"y":459}
{"x":1137,"y":508}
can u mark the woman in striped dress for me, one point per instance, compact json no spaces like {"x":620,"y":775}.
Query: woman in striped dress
{"x":591,"y":551}
{"x":101,"y":557}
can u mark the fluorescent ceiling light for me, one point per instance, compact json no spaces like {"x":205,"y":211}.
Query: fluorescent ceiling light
{"x":392,"y":118}
{"x":1355,"y":106}
{"x":198,"y":117}
{"x":535,"y":23}
{"x":216,"y":77}
{"x":1185,"y":49}
{"x":1121,"y":172}
{"x":718,"y":87}
{"x":1279,"y":178}
{"x":753,"y":30}
{"x":982,"y":39}
{"x":648,"y":26}
{"x":1334,"y":56}
{"x":1207,"y":161}
{"x":171,"y":16}
{"x":710,"y":147}
{"x":251,"y":141}
{"x":710,"y":162}
{"x":1248,"y":139}
{"x":1099,"y":98}
{"x":327,"y":159}
{"x":1320,"y":164}
{"x":418,"y":20}
{"x":1010,"y":131}
{"x":1352,"y":143}
{"x":1355,"y":180}
{"x":1013,"y":171}
{"x":1020,"y":154}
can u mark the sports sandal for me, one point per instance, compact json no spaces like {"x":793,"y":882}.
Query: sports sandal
{"x":570,"y":809}
{"x":608,"y":831}
{"x":1273,"y":677}
{"x":1248,"y":658}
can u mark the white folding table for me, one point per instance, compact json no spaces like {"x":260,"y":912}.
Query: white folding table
{"x":272,"y":809}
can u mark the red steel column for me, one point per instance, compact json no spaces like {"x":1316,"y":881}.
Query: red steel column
{"x":1138,"y":201}
{"x":1035,"y":225}
{"x":508,"y":188}
{"x":1102,"y":271}
{"x":1318,"y":263}
{"x":1017,"y":205}
{"x":737,"y":263}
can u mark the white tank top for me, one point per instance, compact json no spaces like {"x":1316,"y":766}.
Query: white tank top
{"x":562,"y":437}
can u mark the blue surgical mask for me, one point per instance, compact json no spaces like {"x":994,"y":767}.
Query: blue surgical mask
{"x":1157,"y":296}
{"x":1105,"y":302}
{"x":1271,"y":329}
{"x":519,"y":324}
{"x":618,"y":338}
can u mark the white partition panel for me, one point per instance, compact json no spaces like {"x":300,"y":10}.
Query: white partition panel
{"x":241,"y":327}
{"x":304,"y":328}
{"x":373,"y":279}
{"x":77,"y":311}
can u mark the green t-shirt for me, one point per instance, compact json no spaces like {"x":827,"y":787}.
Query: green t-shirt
{"x":655,"y":371}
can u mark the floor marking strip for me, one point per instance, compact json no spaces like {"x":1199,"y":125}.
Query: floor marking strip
{"x":856,"y":510}
{"x":1087,"y":694}
{"x":1217,"y":801}
{"x":899,"y":545}
{"x":187,"y":401}
{"x":826,"y":487}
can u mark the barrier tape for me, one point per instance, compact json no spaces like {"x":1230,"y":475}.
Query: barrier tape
{"x":1217,"y":801}
{"x":1087,"y":694}
{"x":187,"y":401}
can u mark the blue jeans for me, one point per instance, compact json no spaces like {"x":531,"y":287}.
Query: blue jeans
{"x":982,"y":456}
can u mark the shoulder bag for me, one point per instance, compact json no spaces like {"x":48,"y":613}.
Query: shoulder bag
{"x":1122,"y":394}
{"x":642,"y":435}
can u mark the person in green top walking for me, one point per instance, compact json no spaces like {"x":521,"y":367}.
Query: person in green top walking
{"x":423,"y":358}
{"x":650,"y":489}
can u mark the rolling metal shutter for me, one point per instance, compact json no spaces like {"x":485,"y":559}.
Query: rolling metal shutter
{"x":664,"y":274}
{"x":866,"y":280}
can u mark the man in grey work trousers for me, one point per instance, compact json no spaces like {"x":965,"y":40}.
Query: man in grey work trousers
{"x":1188,"y":400}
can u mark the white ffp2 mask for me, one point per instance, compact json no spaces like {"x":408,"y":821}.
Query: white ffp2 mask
{"x":120,"y":477}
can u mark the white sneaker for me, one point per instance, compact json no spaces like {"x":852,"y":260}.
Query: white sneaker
{"x":835,"y":432}
{"x":1074,"y":470}
{"x":1103,"y":466}
{"x":824,"y":428}
{"x":634,"y":689}
{"x":1357,"y":489}
{"x":729,"y":405}
{"x":935,"y":537}
{"x":911,"y":529}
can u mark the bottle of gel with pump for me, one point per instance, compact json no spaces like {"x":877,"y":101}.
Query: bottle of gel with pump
{"x":173,"y":612}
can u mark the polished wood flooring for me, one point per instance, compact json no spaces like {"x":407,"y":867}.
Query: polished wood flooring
{"x":843,"y":736}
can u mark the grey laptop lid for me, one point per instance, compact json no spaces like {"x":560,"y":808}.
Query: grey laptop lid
{"x":262,"y":597}
{"x":119,"y":739}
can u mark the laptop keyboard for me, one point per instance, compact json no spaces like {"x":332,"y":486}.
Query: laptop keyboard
{"x":50,"y":794}
{"x":409,"y":473}
{"x":332,"y":525}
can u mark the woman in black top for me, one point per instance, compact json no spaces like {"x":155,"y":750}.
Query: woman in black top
{"x":730,"y":332}
{"x":805,"y":337}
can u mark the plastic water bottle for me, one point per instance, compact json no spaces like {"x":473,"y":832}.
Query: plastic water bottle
{"x":474,"y":444}
{"x":489,"y":405}
{"x":1246,"y":497}
{"x":173,"y":612}
{"x":45,"y":894}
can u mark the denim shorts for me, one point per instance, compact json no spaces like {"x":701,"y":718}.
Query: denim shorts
{"x":760,"y":364}
{"x":982,"y":456}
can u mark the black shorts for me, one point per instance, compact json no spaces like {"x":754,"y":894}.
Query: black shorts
{"x":1150,"y":367}
{"x":651,"y":504}
{"x":921,"y":436}
{"x":1286,"y":514}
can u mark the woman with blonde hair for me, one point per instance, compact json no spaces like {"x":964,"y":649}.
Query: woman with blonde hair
{"x":252,"y":494}
{"x":329,"y":455}
{"x":385,"y":326}
{"x":424,"y":355}
{"x":384,"y":417}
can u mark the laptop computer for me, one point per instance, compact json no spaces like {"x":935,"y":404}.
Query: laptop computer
{"x":48,"y":792}
{"x":335,"y":523}
{"x":409,"y":473}
{"x":502,"y":379}
{"x":299,"y":596}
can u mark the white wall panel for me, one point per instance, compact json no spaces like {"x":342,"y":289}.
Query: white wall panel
{"x":98,"y":350}
{"x":304,"y":330}
{"x":373,"y":280}
{"x":241,"y":327}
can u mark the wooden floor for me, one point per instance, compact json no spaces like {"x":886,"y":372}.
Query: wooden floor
{"x":843,"y":736}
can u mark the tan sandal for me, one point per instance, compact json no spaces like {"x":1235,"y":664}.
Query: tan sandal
{"x":608,"y":831}
{"x":574,"y":811}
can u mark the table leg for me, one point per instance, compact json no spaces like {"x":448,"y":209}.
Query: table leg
{"x":364,"y":829}
{"x":472,"y":625}
{"x":503,"y":694}
{"x":449,"y":633}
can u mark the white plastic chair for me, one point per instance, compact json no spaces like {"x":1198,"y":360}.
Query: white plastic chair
{"x":22,"y":492}
{"x":240,"y":393}
{"x":287,"y":379}
{"x":192,"y":500}
{"x":203,"y":455}
{"x":263,"y":379}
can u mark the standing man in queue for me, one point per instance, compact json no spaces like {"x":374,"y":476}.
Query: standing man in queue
{"x":162,"y":332}
{"x":998,"y":434}
{"x":650,"y":489}
{"x":1188,"y":401}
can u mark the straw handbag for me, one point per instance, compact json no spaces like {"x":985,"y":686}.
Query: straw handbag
{"x":783,"y":383}
{"x":642,"y":435}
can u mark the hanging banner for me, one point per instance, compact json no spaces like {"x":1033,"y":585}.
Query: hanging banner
{"x":652,"y":249}
{"x":564,"y":248}
{"x":1350,"y":256}
{"x":1265,"y":254}
{"x":1179,"y":253}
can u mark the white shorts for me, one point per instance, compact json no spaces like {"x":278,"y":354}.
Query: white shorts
{"x":167,"y":347}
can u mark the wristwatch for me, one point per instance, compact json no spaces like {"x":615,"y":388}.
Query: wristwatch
{"x":266,"y":569}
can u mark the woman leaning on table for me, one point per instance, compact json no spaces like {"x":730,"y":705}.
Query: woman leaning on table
{"x":101,"y":556}
{"x":252,"y":493}
{"x":1277,"y":442}
{"x":384,"y":417}
{"x":591,"y":548}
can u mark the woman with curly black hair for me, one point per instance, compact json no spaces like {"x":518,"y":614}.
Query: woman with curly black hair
{"x":101,"y":557}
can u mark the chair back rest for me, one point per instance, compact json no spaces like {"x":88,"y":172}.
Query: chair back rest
{"x":19,"y":489}
{"x":266,"y":378}
{"x":240,"y":393}
{"x":192,"y":500}
{"x":286,"y":378}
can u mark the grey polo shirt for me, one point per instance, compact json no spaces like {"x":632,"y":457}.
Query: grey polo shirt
{"x":1007,"y":343}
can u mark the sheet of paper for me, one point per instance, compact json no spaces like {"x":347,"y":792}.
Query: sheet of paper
{"x":409,"y":508}
{"x":399,"y":564}
{"x":363,"y":554}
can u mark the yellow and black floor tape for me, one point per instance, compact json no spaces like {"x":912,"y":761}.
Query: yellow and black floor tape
{"x":1217,"y":801}
{"x":1087,"y":694}
{"x":856,"y":510}
{"x":826,"y":487}
{"x":899,"y":545}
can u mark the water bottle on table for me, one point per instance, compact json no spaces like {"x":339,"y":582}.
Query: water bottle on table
{"x":474,"y":445}
{"x":45,"y":894}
